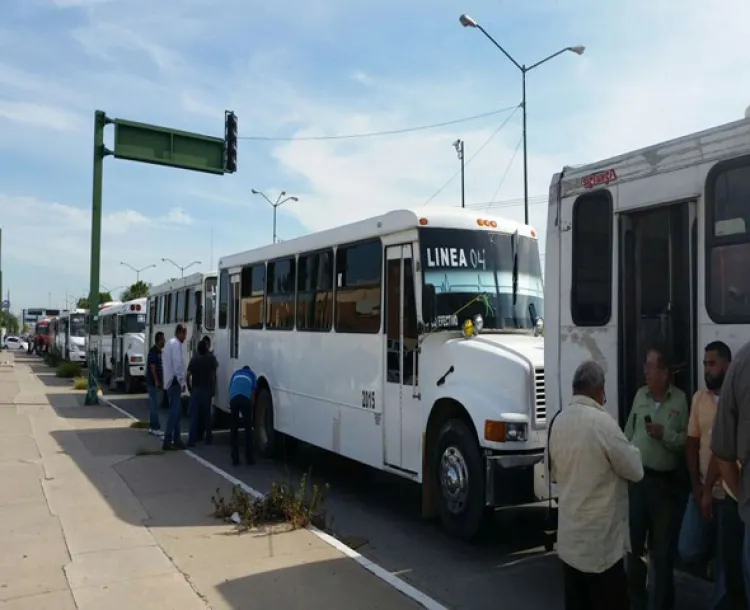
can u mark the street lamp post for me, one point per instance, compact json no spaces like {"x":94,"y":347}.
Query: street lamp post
{"x":469,"y":22}
{"x":137,"y":271}
{"x":111,"y":290}
{"x":180,"y":267}
{"x":459,"y":146}
{"x":280,"y":200}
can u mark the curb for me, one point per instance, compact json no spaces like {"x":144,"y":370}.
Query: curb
{"x":376,"y":570}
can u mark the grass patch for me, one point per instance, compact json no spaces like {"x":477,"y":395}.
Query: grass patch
{"x":68,"y":370}
{"x":80,"y":383}
{"x":141,"y":451}
{"x":140,"y":424}
{"x":299,"y":506}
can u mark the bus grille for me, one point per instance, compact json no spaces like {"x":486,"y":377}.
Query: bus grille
{"x":540,"y":397}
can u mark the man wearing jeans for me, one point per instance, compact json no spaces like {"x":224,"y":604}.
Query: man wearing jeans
{"x":730,"y":445}
{"x":202,"y":383}
{"x":241,"y":398}
{"x":702,"y":522}
{"x":173,"y":362}
{"x":155,"y":384}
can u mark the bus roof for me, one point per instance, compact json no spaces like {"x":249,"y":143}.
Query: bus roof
{"x":376,"y":226}
{"x":125,"y":307}
{"x":731,"y":139}
{"x":194,"y":279}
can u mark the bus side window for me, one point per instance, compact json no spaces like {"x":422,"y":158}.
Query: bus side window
{"x":728,"y":242}
{"x":223,"y":298}
{"x":358,"y":296}
{"x":591,"y":285}
{"x":252,"y":293}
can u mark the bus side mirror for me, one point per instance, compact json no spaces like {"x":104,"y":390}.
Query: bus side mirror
{"x":429,"y":304}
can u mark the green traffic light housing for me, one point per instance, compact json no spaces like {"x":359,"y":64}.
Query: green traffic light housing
{"x":230,"y":141}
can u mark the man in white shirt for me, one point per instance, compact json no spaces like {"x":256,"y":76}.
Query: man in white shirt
{"x":591,"y":461}
{"x":173,"y":364}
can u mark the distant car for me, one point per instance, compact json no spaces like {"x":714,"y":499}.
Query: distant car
{"x":16,"y":343}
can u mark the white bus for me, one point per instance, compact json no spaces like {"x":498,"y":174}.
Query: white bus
{"x":407,"y":342}
{"x":70,"y":336}
{"x":190,"y":301}
{"x":652,"y":245}
{"x":122,"y":343}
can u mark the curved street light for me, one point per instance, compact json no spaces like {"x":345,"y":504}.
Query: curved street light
{"x":280,"y":200}
{"x":137,"y":271}
{"x":470,"y":22}
{"x":180,"y":267}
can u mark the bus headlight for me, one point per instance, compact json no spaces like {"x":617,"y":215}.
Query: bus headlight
{"x":473,"y":327}
{"x":502,"y":431}
{"x":539,"y":327}
{"x":478,"y":322}
{"x":468,"y":328}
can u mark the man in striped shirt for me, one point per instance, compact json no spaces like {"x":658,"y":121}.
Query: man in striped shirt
{"x":241,"y":399}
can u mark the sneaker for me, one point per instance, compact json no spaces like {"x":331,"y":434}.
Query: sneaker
{"x":156,"y":432}
{"x":168,"y":447}
{"x":178,"y":444}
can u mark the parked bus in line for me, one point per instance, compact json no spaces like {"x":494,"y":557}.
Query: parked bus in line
{"x":651,"y":245}
{"x":121,"y":343}
{"x":190,"y":301}
{"x":70,"y":337}
{"x":408,"y":342}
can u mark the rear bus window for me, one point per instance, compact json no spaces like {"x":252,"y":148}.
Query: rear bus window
{"x":591,"y":289}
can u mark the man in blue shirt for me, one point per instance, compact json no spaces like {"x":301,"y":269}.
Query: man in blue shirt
{"x":155,"y":384}
{"x":241,"y":399}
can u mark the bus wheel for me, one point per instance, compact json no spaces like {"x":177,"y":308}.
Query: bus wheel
{"x":460,"y":481}
{"x":220,"y":419}
{"x":265,"y":435}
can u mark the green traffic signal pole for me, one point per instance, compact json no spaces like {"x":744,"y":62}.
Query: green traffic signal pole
{"x":100,"y":120}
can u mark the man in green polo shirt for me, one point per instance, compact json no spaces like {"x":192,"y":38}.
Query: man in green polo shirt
{"x":657,"y":425}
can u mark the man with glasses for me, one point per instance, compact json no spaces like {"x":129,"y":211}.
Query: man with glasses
{"x":657,"y":426}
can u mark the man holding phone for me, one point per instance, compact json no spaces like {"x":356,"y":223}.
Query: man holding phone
{"x":657,"y":426}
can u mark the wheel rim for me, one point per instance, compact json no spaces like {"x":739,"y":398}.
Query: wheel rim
{"x":454,"y":479}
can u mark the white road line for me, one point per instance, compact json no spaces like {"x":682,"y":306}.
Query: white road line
{"x":397,"y":583}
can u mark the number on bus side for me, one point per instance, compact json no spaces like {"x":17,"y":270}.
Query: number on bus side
{"x":368,"y":399}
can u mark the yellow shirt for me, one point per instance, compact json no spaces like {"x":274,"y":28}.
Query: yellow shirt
{"x":700,"y":424}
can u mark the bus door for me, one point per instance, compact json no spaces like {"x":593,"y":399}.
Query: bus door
{"x":118,"y":350}
{"x":401,"y":401}
{"x":658,"y":294}
{"x":233,"y":322}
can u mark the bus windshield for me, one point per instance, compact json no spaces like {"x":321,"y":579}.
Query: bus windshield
{"x":78,"y":325}
{"x":473,"y":273}
{"x":134,"y":323}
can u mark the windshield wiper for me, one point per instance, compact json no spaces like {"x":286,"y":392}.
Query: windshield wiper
{"x":514,"y":247}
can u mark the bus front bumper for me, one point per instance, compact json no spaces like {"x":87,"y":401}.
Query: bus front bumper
{"x":137,"y":370}
{"x":510,"y":478}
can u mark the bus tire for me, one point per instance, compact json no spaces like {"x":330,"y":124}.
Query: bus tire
{"x":263,"y":426}
{"x":460,"y":484}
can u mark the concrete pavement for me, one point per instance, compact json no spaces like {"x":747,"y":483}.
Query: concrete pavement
{"x":87,"y":523}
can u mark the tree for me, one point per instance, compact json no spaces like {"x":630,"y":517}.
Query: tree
{"x":9,"y":322}
{"x":83,"y":302}
{"x":135,"y":291}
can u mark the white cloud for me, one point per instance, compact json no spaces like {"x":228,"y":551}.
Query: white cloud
{"x":362,"y":78}
{"x":39,"y":115}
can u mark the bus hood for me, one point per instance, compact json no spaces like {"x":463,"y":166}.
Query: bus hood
{"x":528,"y":347}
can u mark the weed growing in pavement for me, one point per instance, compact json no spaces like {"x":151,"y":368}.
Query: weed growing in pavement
{"x":143,"y":425}
{"x":80,"y":383}
{"x":68,"y":370}
{"x":298,"y":506}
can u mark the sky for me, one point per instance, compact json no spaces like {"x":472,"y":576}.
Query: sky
{"x":296,"y":69}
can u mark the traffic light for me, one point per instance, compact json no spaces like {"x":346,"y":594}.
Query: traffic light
{"x":230,"y":141}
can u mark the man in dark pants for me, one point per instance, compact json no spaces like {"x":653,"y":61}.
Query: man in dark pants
{"x":657,"y":426}
{"x":241,"y":399}
{"x":201,"y":380}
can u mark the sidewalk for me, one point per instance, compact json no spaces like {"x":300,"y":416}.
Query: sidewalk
{"x":87,"y":524}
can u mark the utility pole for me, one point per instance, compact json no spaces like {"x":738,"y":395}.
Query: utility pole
{"x":459,"y":146}
{"x":100,"y":121}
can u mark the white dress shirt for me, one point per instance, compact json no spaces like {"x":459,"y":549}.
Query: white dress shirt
{"x":592,"y":462}
{"x":173,"y":363}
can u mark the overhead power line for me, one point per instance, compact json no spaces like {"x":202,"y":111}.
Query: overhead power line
{"x":507,"y":169}
{"x":474,"y":156}
{"x":374,"y":134}
{"x":508,"y":203}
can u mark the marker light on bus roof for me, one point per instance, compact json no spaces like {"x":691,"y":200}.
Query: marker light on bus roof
{"x":422,"y":221}
{"x":483,"y":222}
